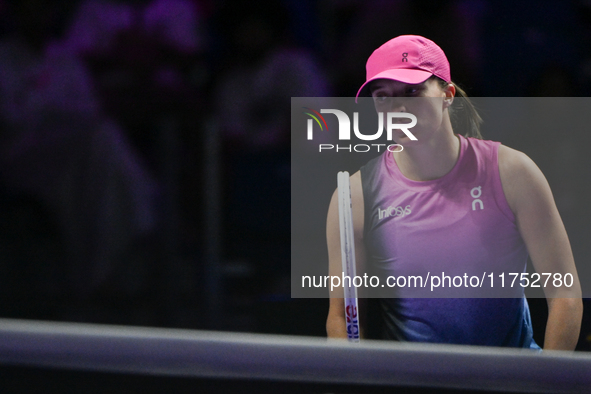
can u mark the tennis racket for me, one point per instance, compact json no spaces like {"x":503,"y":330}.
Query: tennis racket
{"x":348,"y":255}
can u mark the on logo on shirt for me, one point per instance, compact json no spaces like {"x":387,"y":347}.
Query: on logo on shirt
{"x":476,"y":192}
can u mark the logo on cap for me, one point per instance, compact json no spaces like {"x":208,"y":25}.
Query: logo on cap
{"x":405,"y":57}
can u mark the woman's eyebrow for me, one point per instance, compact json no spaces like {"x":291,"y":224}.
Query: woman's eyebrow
{"x":378,"y":87}
{"x":373,"y":88}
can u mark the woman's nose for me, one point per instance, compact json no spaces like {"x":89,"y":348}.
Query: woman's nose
{"x":391,"y":104}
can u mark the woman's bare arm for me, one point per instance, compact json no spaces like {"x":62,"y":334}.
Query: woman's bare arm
{"x":543,"y":232}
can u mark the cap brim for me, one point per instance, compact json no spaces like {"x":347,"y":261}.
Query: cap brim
{"x":405,"y":75}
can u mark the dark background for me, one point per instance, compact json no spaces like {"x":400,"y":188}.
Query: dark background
{"x":145,"y":165}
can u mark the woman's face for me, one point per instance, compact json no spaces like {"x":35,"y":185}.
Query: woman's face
{"x":424,"y":100}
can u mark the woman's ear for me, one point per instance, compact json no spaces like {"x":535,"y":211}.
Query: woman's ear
{"x":450,"y":93}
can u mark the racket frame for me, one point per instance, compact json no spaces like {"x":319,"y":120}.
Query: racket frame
{"x":348,"y":256}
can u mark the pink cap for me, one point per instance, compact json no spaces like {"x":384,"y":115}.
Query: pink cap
{"x":408,"y":59}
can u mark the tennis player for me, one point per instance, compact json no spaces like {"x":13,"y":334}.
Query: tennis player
{"x":450,"y":202}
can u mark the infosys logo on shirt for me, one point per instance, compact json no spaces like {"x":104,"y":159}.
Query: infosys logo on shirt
{"x":394,"y":211}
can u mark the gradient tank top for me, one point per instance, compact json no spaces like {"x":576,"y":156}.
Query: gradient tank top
{"x":457,"y":224}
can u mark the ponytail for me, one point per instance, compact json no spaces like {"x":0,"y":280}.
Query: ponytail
{"x":465,"y":119}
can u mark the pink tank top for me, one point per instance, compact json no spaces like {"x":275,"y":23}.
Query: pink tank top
{"x":459,"y":224}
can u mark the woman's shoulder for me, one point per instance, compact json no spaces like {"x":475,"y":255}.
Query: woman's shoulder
{"x":520,"y":175}
{"x":371,"y":169}
{"x":514,"y":162}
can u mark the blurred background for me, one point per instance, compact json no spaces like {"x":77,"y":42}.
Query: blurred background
{"x":144,"y":145}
